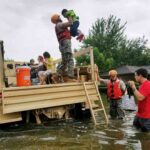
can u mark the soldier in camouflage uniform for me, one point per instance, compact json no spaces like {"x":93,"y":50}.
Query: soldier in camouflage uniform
{"x":64,"y":39}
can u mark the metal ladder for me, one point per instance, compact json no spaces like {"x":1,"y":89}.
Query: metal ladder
{"x":94,"y":110}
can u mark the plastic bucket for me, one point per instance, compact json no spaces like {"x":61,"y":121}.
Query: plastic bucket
{"x":23,"y":76}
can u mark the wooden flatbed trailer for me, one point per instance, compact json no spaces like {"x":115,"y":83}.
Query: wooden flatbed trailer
{"x":15,"y":100}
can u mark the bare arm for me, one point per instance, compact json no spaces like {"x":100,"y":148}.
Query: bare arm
{"x":122,"y":86}
{"x":34,"y":66}
{"x":104,"y":81}
{"x":46,"y":62}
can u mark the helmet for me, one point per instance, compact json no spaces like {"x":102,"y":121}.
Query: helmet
{"x":112,"y":73}
{"x":54,"y":18}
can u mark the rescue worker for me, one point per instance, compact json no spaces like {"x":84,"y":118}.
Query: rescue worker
{"x":64,"y":39}
{"x":142,"y":118}
{"x":115,"y":90}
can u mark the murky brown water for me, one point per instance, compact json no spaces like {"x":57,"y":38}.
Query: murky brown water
{"x":118,"y":135}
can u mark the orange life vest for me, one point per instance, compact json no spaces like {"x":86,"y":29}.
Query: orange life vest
{"x":114,"y":91}
{"x":62,"y":35}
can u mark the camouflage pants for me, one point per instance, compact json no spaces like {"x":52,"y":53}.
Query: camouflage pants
{"x":66,"y":65}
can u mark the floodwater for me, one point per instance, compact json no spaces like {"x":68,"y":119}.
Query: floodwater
{"x":75,"y":135}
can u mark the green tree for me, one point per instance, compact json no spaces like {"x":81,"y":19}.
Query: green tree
{"x":111,"y":46}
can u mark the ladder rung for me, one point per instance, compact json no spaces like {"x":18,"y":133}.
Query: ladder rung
{"x":95,"y":107}
{"x":95,"y":110}
{"x":97,"y":123}
{"x":93,"y":95}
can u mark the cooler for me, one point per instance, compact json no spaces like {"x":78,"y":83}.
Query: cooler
{"x":23,"y":76}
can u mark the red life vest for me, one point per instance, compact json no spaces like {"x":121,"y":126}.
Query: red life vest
{"x":114,"y":91}
{"x":62,"y":35}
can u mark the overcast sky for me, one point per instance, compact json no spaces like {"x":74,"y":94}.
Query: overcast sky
{"x":27,"y":32}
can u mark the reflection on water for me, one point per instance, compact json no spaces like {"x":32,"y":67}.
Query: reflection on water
{"x":118,"y":135}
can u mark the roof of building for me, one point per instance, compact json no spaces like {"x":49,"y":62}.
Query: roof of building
{"x":124,"y":70}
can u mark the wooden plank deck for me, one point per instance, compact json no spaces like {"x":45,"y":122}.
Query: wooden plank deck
{"x":17,"y":99}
